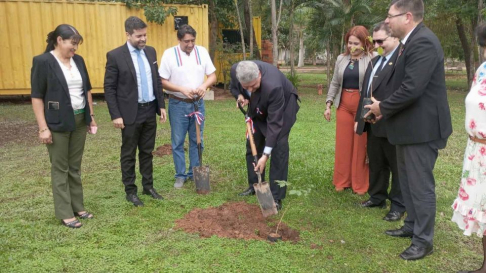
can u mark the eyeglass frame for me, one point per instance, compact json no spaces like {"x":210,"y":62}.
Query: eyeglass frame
{"x":396,"y":15}
{"x":380,"y":41}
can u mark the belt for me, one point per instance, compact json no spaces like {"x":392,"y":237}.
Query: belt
{"x":350,"y":90}
{"x":478,"y":140}
{"x":79,"y":111}
{"x":181,"y":99}
{"x":145,"y":104}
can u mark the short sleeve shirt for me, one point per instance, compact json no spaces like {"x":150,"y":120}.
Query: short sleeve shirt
{"x":185,"y":70}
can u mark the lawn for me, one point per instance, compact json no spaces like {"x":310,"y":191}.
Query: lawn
{"x":336,"y":235}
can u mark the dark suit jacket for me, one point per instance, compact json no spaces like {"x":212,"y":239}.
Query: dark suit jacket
{"x":379,"y":91}
{"x":48,"y":83}
{"x":269,"y":102}
{"x":121,"y":91}
{"x":417,"y":110}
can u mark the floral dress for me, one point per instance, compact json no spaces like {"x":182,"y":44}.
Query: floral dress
{"x":470,"y":204}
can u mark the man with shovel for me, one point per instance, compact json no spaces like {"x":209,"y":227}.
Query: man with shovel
{"x":182,"y":69}
{"x":273,"y":108}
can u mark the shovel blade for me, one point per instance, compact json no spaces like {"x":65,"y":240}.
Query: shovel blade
{"x":265,"y":198}
{"x":201,"y":179}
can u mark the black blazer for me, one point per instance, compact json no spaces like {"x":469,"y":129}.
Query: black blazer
{"x":121,"y":91}
{"x":417,"y":109}
{"x":379,"y":92}
{"x":269,"y":102}
{"x":48,"y":83}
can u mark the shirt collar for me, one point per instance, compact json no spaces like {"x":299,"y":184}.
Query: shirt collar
{"x":131,"y":48}
{"x":387,"y":56}
{"x":404,"y":40}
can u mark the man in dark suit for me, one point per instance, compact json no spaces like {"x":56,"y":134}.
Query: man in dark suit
{"x":273,"y":109}
{"x":133,"y":92}
{"x":417,"y":121}
{"x":381,"y":154}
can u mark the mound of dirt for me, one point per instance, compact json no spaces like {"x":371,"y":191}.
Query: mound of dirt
{"x":238,"y":220}
{"x":165,"y":149}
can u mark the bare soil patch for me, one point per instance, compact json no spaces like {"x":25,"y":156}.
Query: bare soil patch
{"x":17,"y":131}
{"x":221,"y":94}
{"x":238,"y":220}
{"x":165,"y":149}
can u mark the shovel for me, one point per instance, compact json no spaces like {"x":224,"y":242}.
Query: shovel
{"x":200,"y":173}
{"x":262,"y":189}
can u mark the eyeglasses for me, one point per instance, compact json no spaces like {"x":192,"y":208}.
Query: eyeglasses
{"x":380,"y":41}
{"x":389,"y":16}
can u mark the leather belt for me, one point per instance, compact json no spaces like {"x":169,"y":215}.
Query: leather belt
{"x":478,"y":140}
{"x":79,"y":111}
{"x":181,"y":99}
{"x":350,"y":90}
{"x":145,"y":104}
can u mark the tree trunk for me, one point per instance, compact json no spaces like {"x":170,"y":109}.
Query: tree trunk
{"x":468,"y":57}
{"x":480,"y":21}
{"x":328,"y":61}
{"x":291,"y":40}
{"x":213,"y":32}
{"x":301,"y":49}
{"x":274,"y":32}
{"x":241,"y":30}
{"x":251,"y":28}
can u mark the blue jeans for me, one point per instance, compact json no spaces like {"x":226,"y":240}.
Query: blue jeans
{"x":181,"y":125}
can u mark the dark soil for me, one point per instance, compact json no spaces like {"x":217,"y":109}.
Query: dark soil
{"x":221,"y":94}
{"x":238,"y":220}
{"x":15,"y":131}
{"x":165,"y":149}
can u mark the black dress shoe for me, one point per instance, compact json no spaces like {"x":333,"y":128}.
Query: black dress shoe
{"x":415,"y":252}
{"x":153,"y":193}
{"x":369,"y":204}
{"x":393,"y":216}
{"x":247,"y":192}
{"x":399,"y":233}
{"x":135,"y":200}
{"x":279,"y":205}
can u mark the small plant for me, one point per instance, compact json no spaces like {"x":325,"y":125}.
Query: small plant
{"x":298,"y":192}
{"x":294,"y":79}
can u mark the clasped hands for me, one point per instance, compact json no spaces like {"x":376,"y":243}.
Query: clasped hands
{"x":199,"y":92}
{"x":374,"y":109}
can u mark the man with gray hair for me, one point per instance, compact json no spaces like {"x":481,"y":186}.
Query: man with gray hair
{"x":273,"y":108}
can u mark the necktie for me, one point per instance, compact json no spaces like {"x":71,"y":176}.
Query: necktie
{"x":143,"y":76}
{"x":380,"y":67}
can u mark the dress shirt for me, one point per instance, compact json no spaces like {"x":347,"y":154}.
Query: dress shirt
{"x":148,"y":72}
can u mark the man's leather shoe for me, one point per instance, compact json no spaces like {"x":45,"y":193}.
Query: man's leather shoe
{"x":369,"y":204}
{"x":399,"y":233}
{"x":135,"y":200}
{"x":247,"y":192}
{"x":415,"y":252}
{"x":279,"y":205}
{"x":393,"y":216}
{"x":153,"y":193}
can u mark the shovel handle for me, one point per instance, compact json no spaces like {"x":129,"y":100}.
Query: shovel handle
{"x":252,"y":141}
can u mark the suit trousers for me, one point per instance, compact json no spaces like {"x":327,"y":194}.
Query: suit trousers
{"x":141,"y":135}
{"x":279,"y":160}
{"x":350,"y":167}
{"x":383,"y":161}
{"x":65,"y":154}
{"x":415,"y":169}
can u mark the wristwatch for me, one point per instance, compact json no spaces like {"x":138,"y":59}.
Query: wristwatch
{"x":267,"y":155}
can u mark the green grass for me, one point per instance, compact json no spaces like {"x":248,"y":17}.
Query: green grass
{"x":123,"y":238}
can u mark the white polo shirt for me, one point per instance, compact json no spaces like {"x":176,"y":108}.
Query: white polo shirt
{"x":185,"y":70}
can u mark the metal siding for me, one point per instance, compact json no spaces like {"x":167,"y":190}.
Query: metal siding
{"x":101,"y":24}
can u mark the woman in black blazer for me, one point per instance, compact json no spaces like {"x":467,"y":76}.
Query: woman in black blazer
{"x":63,"y":107}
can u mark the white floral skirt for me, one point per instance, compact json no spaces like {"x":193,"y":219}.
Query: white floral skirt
{"x":470,"y":204}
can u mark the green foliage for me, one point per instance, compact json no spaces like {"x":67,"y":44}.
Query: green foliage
{"x":293,"y":78}
{"x":153,"y":9}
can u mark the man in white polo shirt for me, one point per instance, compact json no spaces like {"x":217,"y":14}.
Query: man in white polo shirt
{"x":182,"y":70}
